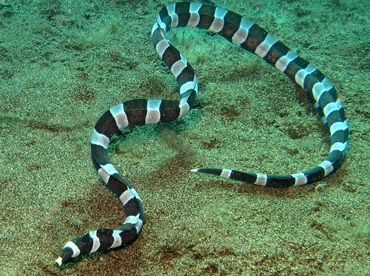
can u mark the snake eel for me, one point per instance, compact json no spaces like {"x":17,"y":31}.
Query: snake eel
{"x":249,"y":36}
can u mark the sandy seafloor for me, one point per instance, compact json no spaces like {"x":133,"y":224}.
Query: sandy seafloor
{"x":64,"y":63}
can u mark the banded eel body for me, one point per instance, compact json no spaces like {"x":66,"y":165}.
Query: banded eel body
{"x":247,"y":35}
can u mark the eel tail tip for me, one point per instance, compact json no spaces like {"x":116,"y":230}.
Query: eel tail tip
{"x":59,"y":261}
